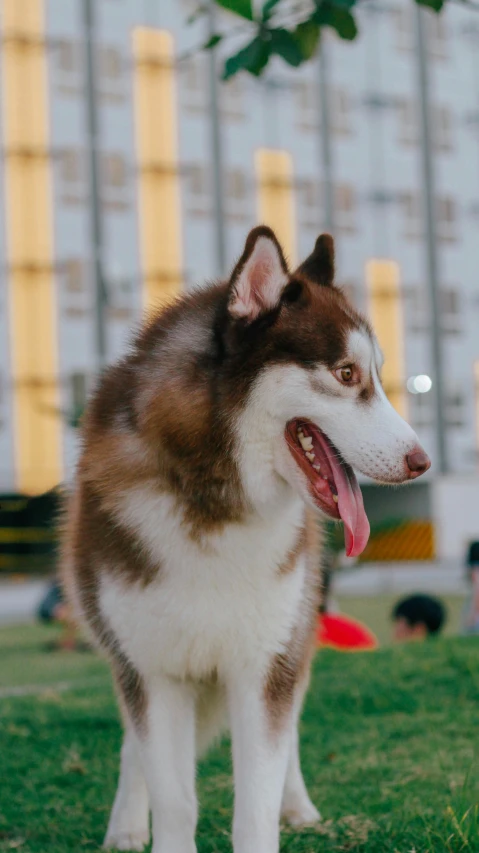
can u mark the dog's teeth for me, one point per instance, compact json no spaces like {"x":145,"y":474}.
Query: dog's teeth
{"x":310,"y":456}
{"x":317,"y":467}
{"x":335,"y":499}
{"x":306,"y":442}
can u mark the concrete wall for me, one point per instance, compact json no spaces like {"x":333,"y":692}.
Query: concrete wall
{"x":383,"y":503}
{"x":455,"y":507}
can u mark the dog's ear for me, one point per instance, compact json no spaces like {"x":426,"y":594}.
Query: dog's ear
{"x":319,"y":266}
{"x":259,"y":276}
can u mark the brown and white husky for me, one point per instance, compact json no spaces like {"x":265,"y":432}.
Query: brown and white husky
{"x":191,"y":546}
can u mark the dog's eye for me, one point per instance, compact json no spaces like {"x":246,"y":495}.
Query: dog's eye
{"x":346,"y":375}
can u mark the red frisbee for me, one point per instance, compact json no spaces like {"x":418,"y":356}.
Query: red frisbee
{"x":343,"y":632}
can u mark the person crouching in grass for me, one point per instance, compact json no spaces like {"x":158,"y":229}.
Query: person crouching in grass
{"x":417,"y":617}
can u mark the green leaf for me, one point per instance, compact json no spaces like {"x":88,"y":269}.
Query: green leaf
{"x":344,"y":4}
{"x":253,"y":58}
{"x":331,"y":14}
{"x":212,"y":42}
{"x":268,"y":9}
{"x":432,"y":4}
{"x":243,"y":8}
{"x":335,"y":14}
{"x":306,"y":36}
{"x":285,"y":45}
{"x":343,"y":22}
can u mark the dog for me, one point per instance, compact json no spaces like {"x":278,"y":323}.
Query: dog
{"x":192,"y":538}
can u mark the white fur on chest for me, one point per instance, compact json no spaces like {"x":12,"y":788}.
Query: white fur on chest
{"x":212,"y":607}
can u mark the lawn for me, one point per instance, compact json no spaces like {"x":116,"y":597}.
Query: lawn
{"x":388,"y":741}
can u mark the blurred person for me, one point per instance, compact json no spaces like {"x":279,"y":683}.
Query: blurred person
{"x":418,"y":617}
{"x":54,"y":609}
{"x":471,"y":611}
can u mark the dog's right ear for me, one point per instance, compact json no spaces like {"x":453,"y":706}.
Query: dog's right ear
{"x":319,"y":266}
{"x":259,"y":276}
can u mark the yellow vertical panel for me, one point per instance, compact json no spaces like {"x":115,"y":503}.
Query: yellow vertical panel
{"x":32,"y":303}
{"x":383,"y":282}
{"x":274,"y":173}
{"x":157,"y":152}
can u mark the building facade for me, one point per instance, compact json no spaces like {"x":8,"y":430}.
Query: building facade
{"x":130,"y":171}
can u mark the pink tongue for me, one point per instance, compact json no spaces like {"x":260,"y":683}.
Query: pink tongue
{"x":350,"y":505}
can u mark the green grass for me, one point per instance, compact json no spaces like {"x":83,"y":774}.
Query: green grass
{"x":388,"y":742}
{"x":24,"y":659}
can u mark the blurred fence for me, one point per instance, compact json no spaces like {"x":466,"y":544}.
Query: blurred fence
{"x":28,"y":532}
{"x":401,"y":541}
{"x":29,"y":535}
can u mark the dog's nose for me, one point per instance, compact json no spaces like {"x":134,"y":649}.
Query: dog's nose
{"x":418,"y":463}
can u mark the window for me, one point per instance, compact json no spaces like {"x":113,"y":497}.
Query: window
{"x":73,"y":275}
{"x":237,"y":195}
{"x":446,"y":212}
{"x":111,"y":63}
{"x":436,"y":35}
{"x":420,"y":406}
{"x":193,"y":84}
{"x":71,"y":175}
{"x":115,"y":181}
{"x":351,"y":290}
{"x":476,"y":400}
{"x":454,"y":409}
{"x":407,"y":122}
{"x":78,"y":389}
{"x":416,"y":309}
{"x":442,"y":129}
{"x":450,"y":305}
{"x":307,"y":105}
{"x":418,"y":314}
{"x":198,"y":190}
{"x":120,"y":293}
{"x":232,"y":99}
{"x":115,"y":170}
{"x":75,"y":291}
{"x":67,"y":63}
{"x":412,"y":216}
{"x":403,"y":29}
{"x":345,"y":207}
{"x":78,"y":393}
{"x":71,"y":166}
{"x":67,"y":54}
{"x":308,"y":204}
{"x":341,"y":111}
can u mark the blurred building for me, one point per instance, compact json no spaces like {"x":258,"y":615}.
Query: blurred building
{"x":129,"y":172}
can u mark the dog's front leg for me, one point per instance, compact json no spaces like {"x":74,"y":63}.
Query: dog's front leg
{"x":166,"y":741}
{"x":261,"y":737}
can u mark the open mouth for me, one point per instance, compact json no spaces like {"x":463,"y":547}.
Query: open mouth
{"x":333,"y":484}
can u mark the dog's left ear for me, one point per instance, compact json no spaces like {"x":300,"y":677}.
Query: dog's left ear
{"x":319,"y":266}
{"x":259,"y":276}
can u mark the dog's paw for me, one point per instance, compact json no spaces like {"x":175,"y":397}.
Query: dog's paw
{"x":301,"y":814}
{"x":126,"y":840}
